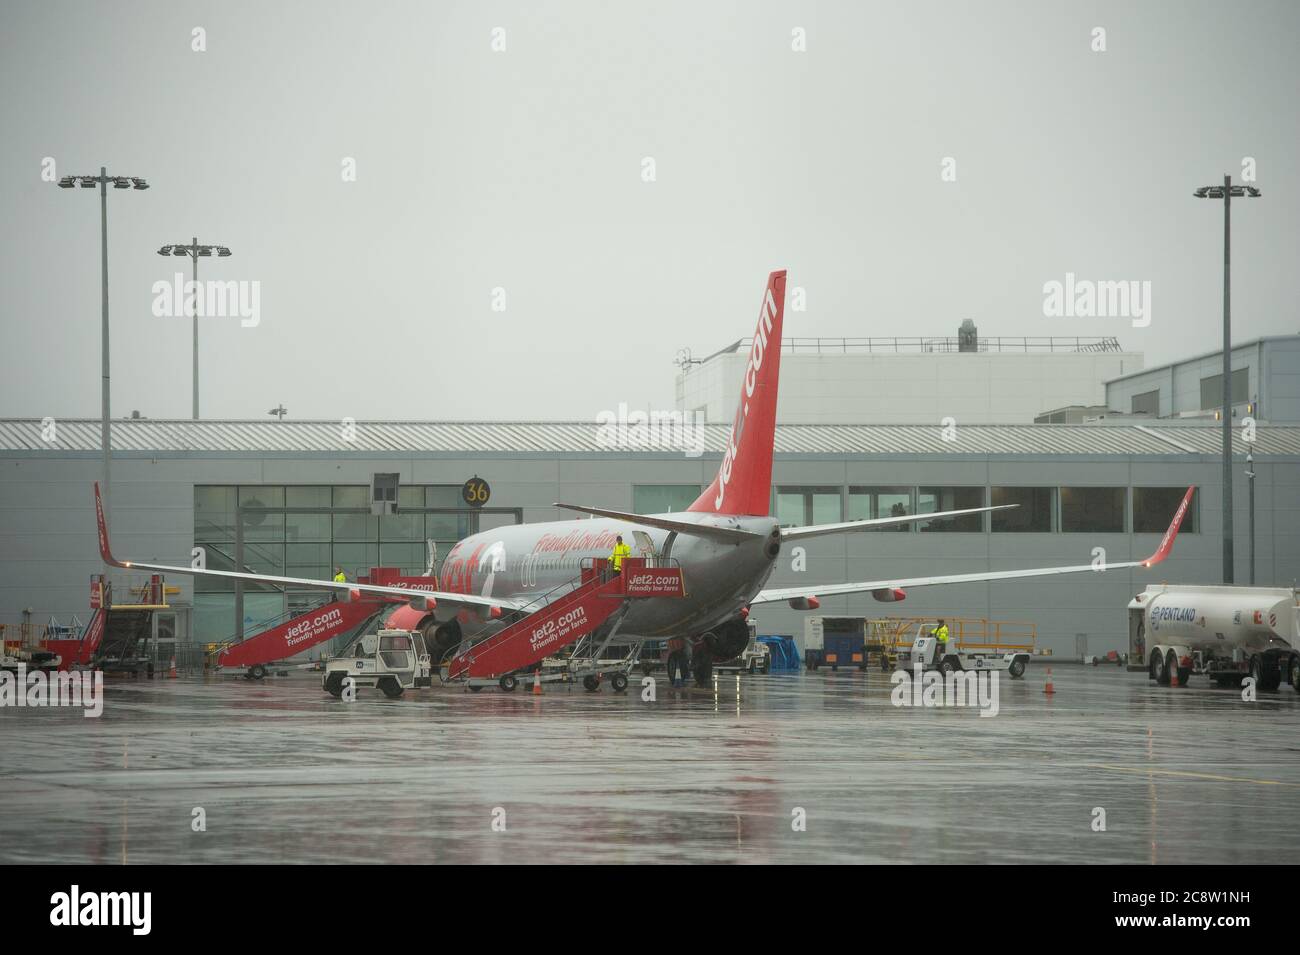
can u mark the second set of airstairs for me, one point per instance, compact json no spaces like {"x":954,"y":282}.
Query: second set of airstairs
{"x":584,"y":614}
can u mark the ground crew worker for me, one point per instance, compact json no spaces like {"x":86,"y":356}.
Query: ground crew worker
{"x":620,"y":551}
{"x":941,"y":639}
{"x":339,"y":576}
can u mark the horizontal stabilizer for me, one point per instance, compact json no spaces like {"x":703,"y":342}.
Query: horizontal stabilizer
{"x":731,"y":535}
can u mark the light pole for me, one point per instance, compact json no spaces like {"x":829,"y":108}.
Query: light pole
{"x":1226,"y":192}
{"x":1250,"y":484}
{"x":119,"y":182}
{"x":194,"y":250}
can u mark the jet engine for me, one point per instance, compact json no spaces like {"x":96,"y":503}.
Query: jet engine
{"x":727,"y":641}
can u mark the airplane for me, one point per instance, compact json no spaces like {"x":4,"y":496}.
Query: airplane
{"x":726,"y":544}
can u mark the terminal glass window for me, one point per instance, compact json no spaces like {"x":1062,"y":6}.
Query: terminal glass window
{"x":663,"y":498}
{"x":310,"y":545}
{"x":870,"y":503}
{"x":1097,"y":510}
{"x":1212,"y":389}
{"x":1154,"y":507}
{"x":931,"y":499}
{"x":1146,"y":403}
{"x":796,"y":506}
{"x":1032,"y":514}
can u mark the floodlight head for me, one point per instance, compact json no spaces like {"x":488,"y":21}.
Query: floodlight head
{"x":67,"y":182}
{"x":87,"y":182}
{"x":139,"y":183}
{"x":179,"y":250}
{"x":205,"y":250}
{"x":121,"y":182}
{"x":165,"y":250}
{"x":223,"y":252}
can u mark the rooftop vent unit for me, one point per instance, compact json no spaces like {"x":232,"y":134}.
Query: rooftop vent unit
{"x":967,"y":336}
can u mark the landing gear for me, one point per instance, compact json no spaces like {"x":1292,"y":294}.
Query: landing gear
{"x":702,"y":667}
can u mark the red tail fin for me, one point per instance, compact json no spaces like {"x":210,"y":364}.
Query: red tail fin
{"x":744,"y":481}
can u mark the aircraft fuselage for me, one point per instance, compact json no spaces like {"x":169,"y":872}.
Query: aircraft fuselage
{"x":528,"y":561}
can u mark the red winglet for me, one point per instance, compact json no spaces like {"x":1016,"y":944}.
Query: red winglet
{"x":1167,"y":542}
{"x":105,"y":552}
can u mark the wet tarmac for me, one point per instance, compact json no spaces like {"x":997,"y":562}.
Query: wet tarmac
{"x":284,"y":773}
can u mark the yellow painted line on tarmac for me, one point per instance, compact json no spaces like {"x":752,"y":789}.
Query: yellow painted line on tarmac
{"x":1174,"y":772}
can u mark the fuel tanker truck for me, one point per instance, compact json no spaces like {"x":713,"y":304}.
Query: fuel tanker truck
{"x":1224,"y":633}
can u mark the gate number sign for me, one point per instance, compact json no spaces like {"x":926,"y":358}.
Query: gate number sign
{"x":476,"y":492}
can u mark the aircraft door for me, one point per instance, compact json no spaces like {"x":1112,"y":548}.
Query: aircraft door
{"x":645,"y":547}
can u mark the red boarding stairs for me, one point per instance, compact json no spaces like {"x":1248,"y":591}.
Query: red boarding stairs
{"x":599,"y":594}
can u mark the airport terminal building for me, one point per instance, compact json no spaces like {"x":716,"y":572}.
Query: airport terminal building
{"x":294,"y":498}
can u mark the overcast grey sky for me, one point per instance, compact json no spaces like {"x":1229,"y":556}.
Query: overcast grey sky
{"x":522,"y":170}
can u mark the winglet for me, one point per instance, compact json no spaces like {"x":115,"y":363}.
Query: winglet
{"x":105,"y":552}
{"x":1167,"y":542}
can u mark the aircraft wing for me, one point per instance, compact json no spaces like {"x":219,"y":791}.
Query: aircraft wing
{"x":831,"y":590}
{"x":406,"y":593}
{"x":731,"y":535}
{"x":816,"y":530}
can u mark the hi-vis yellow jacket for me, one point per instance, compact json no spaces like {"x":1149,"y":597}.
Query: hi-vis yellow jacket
{"x":616,"y":556}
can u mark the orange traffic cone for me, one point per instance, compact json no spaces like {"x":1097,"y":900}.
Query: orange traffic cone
{"x":537,"y":682}
{"x":1049,"y":688}
{"x":1173,"y":675}
{"x":171,"y":670}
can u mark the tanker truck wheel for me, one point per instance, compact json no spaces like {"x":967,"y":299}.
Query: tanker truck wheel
{"x":1272,"y":675}
{"x":1159,"y":671}
{"x":1267,"y":675}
